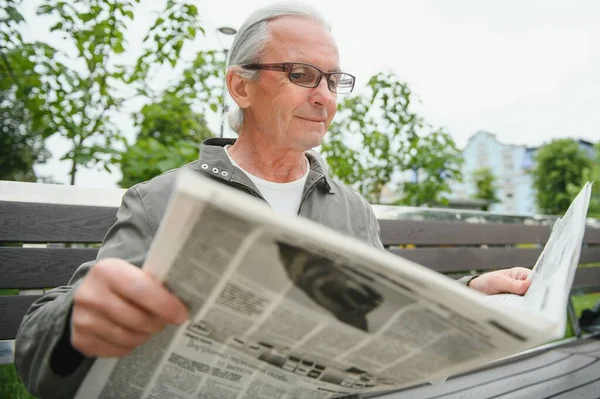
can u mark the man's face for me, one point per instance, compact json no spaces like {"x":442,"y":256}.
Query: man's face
{"x":290,"y":115}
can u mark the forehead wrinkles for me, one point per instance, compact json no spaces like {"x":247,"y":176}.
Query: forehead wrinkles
{"x":294,"y":39}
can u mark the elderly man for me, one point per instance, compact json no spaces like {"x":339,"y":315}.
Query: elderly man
{"x":284,"y":74}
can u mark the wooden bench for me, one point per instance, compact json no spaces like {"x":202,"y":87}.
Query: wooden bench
{"x":47,"y":231}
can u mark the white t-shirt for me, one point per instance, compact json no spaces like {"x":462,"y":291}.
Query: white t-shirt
{"x":283,"y":197}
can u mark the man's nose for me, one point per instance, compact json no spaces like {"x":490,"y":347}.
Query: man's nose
{"x":321,"y":95}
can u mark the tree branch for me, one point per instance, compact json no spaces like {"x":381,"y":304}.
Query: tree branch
{"x":97,"y":121}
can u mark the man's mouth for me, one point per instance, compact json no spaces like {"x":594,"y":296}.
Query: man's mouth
{"x":316,"y":120}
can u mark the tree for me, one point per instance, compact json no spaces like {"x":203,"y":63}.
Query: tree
{"x":559,"y":164}
{"x":149,"y":157}
{"x":77,"y":93}
{"x":484,"y":180}
{"x":22,"y":124}
{"x":377,"y":139}
{"x":170,"y":129}
{"x":591,"y":174}
{"x":170,"y":120}
{"x":20,"y":149}
{"x":170,"y":133}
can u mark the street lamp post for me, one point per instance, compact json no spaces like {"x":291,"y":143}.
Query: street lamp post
{"x":228,"y":31}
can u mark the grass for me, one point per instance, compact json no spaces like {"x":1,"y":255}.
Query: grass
{"x":596,"y":264}
{"x":585,"y":302}
{"x":580,"y":303}
{"x":10,"y":384}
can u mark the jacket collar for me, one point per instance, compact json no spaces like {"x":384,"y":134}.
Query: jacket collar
{"x":213,"y":161}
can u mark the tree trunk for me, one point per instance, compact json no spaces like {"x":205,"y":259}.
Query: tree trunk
{"x":73,"y":172}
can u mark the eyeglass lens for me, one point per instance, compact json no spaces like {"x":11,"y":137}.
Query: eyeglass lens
{"x":306,"y":75}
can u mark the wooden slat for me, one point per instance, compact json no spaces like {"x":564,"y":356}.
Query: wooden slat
{"x":591,"y":236}
{"x":28,"y":268}
{"x":33,"y":222}
{"x":12,"y":310}
{"x":396,"y":232}
{"x":590,"y":255}
{"x":587,"y":277}
{"x":450,"y":260}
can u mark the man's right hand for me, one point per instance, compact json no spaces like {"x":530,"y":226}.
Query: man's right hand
{"x":118,"y":306}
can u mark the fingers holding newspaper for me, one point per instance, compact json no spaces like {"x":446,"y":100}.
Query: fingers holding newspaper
{"x":507,"y":281}
{"x":118,"y":307}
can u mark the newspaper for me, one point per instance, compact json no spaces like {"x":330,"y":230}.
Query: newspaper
{"x":282,"y":307}
{"x":553,"y":274}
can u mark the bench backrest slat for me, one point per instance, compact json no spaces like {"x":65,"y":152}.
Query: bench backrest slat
{"x":453,"y":260}
{"x":397,"y":232}
{"x":30,"y":268}
{"x":49,"y":223}
{"x":587,"y":277}
{"x":12,"y":309}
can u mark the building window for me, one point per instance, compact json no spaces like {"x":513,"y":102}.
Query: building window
{"x":507,"y":159}
{"x":482,"y":155}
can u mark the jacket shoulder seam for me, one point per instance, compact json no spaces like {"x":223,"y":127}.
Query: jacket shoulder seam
{"x":152,"y":229}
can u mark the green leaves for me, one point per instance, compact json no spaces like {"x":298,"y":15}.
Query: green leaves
{"x":118,"y":48}
{"x":149,"y":157}
{"x":203,"y":80}
{"x":76,"y":95}
{"x":559,"y":175}
{"x":21,"y":92}
{"x":170,"y":135}
{"x":77,"y":101}
{"x":591,"y":174}
{"x":20,"y":146}
{"x":177,"y":24}
{"x":379,"y":142}
{"x":485,"y":187}
{"x":56,"y":26}
{"x":171,"y":119}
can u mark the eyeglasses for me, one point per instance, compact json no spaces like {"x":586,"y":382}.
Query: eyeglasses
{"x":307,"y":75}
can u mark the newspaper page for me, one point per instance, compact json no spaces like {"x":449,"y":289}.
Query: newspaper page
{"x":554,"y":271}
{"x":282,"y":307}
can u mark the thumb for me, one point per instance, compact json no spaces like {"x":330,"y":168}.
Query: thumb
{"x":518,"y":287}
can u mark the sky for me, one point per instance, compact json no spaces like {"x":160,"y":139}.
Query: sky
{"x":527,"y":71}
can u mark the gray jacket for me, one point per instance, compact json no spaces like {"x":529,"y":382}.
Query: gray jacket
{"x":47,"y":363}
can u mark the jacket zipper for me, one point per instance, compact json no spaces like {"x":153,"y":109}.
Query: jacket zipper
{"x":259,"y":196}
{"x":248,"y":190}
{"x":307,"y":193}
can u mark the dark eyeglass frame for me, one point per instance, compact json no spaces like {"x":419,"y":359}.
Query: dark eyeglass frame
{"x":288,"y":67}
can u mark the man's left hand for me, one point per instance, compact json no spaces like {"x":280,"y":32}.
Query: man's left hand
{"x":507,"y":281}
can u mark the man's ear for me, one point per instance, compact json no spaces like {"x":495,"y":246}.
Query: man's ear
{"x":238,"y":88}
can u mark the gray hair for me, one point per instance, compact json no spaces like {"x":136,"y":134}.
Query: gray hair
{"x":251,"y":39}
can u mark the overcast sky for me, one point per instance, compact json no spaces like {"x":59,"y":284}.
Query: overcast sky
{"x":528,"y":71}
